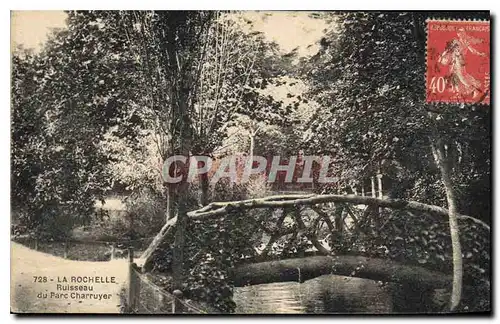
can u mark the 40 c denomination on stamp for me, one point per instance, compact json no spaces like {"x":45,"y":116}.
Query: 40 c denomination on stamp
{"x":458,"y":61}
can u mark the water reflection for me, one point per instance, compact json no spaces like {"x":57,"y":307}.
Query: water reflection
{"x":325,"y":294}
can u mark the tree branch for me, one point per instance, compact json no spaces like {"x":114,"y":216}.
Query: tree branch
{"x":217,"y":209}
{"x":310,"y":234}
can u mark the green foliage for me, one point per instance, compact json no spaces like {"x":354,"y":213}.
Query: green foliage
{"x":370,"y":74}
{"x":146,"y":213}
{"x":425,"y":241}
{"x":213,"y":248}
{"x":110,"y":97}
{"x":63,"y":101}
{"x":135,"y":218}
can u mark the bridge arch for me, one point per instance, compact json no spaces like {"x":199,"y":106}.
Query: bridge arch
{"x":262,"y":270}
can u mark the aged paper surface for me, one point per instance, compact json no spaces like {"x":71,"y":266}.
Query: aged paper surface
{"x":250,"y":162}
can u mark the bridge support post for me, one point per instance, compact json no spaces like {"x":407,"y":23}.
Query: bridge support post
{"x":133,"y":283}
{"x":176,"y":304}
{"x":379,"y":182}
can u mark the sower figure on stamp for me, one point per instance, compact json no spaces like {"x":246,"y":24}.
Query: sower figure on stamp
{"x":454,"y":55}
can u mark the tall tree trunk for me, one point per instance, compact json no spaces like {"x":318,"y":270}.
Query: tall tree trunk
{"x":169,"y":193}
{"x":439,"y":156}
{"x":249,"y":161}
{"x":170,"y":188}
{"x":179,"y":241}
{"x":181,"y":192}
{"x":204,"y":187}
{"x":339,"y":227}
{"x":203,"y":180}
{"x":252,"y":146}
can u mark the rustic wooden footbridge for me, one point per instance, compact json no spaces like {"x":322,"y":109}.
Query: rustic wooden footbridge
{"x":346,"y":214}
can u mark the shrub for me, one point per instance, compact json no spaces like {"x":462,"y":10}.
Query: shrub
{"x":146,"y":213}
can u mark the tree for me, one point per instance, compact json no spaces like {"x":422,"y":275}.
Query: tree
{"x":366,"y":73}
{"x":169,"y":47}
{"x":70,"y":93}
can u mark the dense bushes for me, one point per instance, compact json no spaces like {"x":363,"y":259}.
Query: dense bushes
{"x":146,"y":212}
{"x":212,"y":249}
{"x":425,"y":240}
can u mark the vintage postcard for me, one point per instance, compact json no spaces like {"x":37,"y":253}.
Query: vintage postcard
{"x":250,"y":162}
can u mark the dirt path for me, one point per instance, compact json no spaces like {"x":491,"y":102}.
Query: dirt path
{"x":28,"y":296}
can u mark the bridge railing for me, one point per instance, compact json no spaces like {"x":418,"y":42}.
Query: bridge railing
{"x":142,"y":296}
{"x":366,"y":213}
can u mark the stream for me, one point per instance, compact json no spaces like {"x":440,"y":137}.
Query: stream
{"x":327,"y":294}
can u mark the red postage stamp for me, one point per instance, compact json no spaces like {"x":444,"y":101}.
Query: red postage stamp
{"x":458,"y":61}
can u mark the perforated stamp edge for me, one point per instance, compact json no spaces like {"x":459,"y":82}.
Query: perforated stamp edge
{"x":433,"y":19}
